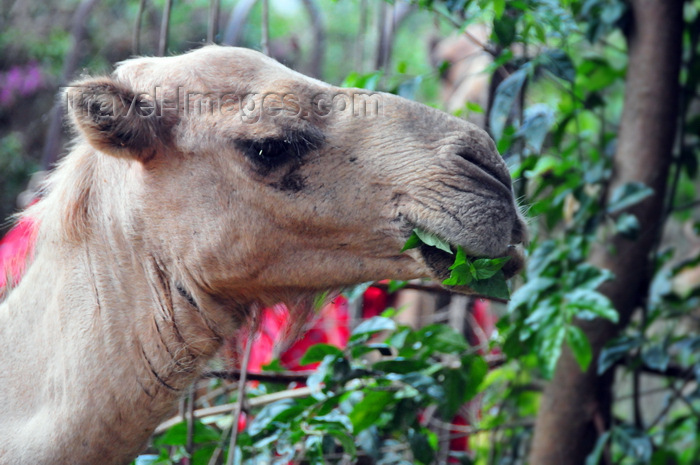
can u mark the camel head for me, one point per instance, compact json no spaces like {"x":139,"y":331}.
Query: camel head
{"x":249,"y":180}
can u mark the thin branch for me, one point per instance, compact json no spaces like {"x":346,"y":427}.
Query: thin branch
{"x":165,"y":29}
{"x":636,"y":398}
{"x":382,"y":23}
{"x":676,"y":163}
{"x":456,"y":24}
{"x":189,"y":446}
{"x":285,"y":377}
{"x":637,"y":376}
{"x":319,"y":33}
{"x":265,"y":39}
{"x":214,"y":459}
{"x":668,"y":406}
{"x":241,"y":397}
{"x":617,"y":48}
{"x":70,"y":64}
{"x":600,"y":428}
{"x":231,"y":407}
{"x":485,"y":47}
{"x":467,"y":429}
{"x":459,"y":306}
{"x":209,"y":397}
{"x":436,"y":288}
{"x":360,"y":42}
{"x":390,"y":20}
{"x":671,"y":371}
{"x":684,"y":399}
{"x":686,"y":206}
{"x":481,"y":336}
{"x":213,"y":26}
{"x":648,"y":392}
{"x":136,"y":39}
{"x":493,"y":361}
{"x":236,"y":22}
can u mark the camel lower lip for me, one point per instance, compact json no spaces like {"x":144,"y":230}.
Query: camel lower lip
{"x":437,"y":260}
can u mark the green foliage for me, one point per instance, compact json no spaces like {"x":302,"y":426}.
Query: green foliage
{"x":361,"y":403}
{"x":504,"y":100}
{"x":15,"y":170}
{"x":419,"y":236}
{"x":177,"y":435}
{"x":560,"y":289}
{"x":483,"y":275}
{"x":565,"y":175}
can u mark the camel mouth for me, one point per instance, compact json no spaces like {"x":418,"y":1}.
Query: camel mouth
{"x":439,"y":262}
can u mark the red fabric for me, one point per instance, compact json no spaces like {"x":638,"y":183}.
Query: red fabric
{"x":242,"y":421}
{"x":15,"y":249}
{"x":374,"y":302}
{"x":461,"y":442}
{"x":274,"y":321}
{"x":484,"y":317}
{"x":331,"y":327}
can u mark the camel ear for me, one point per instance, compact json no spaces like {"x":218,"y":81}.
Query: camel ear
{"x":118,"y":121}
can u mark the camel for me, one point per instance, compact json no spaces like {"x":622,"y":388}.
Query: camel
{"x":199,"y":188}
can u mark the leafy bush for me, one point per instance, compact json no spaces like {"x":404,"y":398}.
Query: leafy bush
{"x":373,"y":398}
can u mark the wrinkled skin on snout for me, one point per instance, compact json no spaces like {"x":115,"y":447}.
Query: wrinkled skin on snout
{"x":258,"y":181}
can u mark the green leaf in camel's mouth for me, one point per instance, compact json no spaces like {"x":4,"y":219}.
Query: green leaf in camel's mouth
{"x":482,"y":275}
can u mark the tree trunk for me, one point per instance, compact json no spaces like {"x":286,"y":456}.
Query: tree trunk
{"x":575,"y":406}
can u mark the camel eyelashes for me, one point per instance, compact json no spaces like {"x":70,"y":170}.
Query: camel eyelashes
{"x":269,"y":153}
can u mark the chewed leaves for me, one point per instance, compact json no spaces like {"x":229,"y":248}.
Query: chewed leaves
{"x":482,"y":275}
{"x":487,"y":268}
{"x":464,"y":271}
{"x":412,"y":242}
{"x":419,"y":237}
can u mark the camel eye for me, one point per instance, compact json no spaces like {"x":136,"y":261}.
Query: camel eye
{"x":270,"y":153}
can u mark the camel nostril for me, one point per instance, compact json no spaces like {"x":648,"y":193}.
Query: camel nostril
{"x":493,"y":170}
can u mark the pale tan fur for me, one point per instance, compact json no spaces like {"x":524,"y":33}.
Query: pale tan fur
{"x":158,"y":240}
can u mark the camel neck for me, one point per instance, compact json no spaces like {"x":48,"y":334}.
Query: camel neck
{"x":97,"y":337}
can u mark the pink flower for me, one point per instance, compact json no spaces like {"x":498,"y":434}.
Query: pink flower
{"x":32,"y":80}
{"x":5,"y":96}
{"x":20,"y":81}
{"x":13,"y":78}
